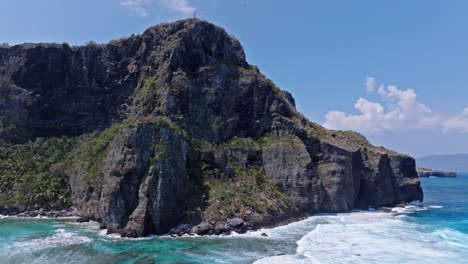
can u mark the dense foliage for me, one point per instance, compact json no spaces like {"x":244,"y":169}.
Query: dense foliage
{"x":32,"y":174}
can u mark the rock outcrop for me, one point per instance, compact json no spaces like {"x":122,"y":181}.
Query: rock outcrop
{"x":426,"y":173}
{"x":178,"y":133}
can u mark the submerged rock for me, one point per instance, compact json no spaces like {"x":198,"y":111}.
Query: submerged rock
{"x":179,"y":134}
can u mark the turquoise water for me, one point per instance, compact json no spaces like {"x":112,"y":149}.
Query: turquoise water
{"x":434,"y":232}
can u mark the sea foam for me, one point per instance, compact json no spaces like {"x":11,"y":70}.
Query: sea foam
{"x":60,"y":238}
{"x":375,"y":237}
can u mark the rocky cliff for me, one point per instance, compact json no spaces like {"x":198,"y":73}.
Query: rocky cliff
{"x":173,"y":131}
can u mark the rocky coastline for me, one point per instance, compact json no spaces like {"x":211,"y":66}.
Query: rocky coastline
{"x":426,"y":173}
{"x":172,"y":131}
{"x":39,"y":213}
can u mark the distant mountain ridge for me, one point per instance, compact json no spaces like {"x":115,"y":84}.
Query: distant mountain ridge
{"x":452,"y":162}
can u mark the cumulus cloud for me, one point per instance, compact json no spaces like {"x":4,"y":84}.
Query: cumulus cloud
{"x":141,"y":7}
{"x":400,"y":110}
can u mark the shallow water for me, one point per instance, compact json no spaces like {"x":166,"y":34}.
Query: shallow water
{"x":436,"y":232}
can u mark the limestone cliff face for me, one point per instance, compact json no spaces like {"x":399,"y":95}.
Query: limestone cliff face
{"x":187,"y":132}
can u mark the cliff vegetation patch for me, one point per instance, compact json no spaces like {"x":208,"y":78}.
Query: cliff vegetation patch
{"x":32,"y":174}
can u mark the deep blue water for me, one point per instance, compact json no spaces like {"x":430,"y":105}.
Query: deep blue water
{"x":452,"y":195}
{"x":434,"y":232}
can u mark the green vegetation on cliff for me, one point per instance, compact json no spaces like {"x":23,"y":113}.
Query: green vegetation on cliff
{"x":6,"y":126}
{"x":249,"y":191}
{"x":91,"y":151}
{"x":267,"y":139}
{"x":163,"y":121}
{"x":32,"y":174}
{"x":240,"y":189}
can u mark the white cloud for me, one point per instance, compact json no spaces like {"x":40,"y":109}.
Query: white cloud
{"x":182,"y":7}
{"x":137,"y":7}
{"x":458,"y":123}
{"x":400,"y":111}
{"x":141,"y":7}
{"x":372,"y":118}
{"x":370,"y":83}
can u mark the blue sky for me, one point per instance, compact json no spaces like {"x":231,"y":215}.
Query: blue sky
{"x":349,"y":64}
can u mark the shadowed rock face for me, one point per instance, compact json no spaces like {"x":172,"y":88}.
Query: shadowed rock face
{"x":191,"y":114}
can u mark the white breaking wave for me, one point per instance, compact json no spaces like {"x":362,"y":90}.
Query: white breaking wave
{"x":43,"y":250}
{"x":59,"y":239}
{"x":93,"y":226}
{"x":103,"y":233}
{"x":374,"y":237}
{"x":294,"y":229}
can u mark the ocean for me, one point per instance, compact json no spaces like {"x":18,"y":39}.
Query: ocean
{"x":435,"y":231}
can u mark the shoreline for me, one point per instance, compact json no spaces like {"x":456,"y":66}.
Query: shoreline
{"x":190,"y":229}
{"x":39,"y":214}
{"x":292,"y":242}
